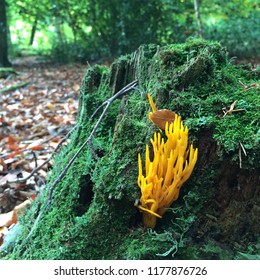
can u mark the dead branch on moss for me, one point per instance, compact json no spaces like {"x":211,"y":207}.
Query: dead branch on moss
{"x":246,"y":88}
{"x":107,"y":103}
{"x":231,"y":110}
{"x":241,"y":148}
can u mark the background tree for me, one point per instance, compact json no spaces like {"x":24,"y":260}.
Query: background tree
{"x":197,"y":13}
{"x":83,"y":30}
{"x":4,"y":62}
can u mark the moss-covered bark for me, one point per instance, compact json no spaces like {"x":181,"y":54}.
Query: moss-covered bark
{"x":92,"y":215}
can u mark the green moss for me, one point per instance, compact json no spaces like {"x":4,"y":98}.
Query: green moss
{"x":92,"y":215}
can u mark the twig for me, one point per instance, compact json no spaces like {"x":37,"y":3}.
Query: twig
{"x":246,"y":88}
{"x":123,"y":91}
{"x":14,"y":87}
{"x":34,"y":226}
{"x":241,"y":148}
{"x":40,"y":144}
{"x":231,"y":109}
{"x":45,"y":206}
{"x":35,"y":158}
{"x":108,"y":102}
{"x":35,"y":222}
{"x":93,"y":150}
{"x":240,"y":157}
{"x":36,"y":169}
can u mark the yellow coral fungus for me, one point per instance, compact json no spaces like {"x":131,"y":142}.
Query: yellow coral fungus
{"x":151,"y":103}
{"x":171,"y":166}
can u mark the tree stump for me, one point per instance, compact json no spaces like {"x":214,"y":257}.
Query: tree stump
{"x":92,"y":214}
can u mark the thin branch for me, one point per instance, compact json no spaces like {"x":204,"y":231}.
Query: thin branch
{"x":231,"y":109}
{"x":241,"y":148}
{"x":123,"y":91}
{"x":246,"y":88}
{"x":40,"y":144}
{"x":14,"y":87}
{"x":35,"y":158}
{"x":107,"y":103}
{"x":36,"y":169}
{"x":240,"y":157}
{"x":34,"y":226}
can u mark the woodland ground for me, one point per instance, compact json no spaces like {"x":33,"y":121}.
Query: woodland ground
{"x":33,"y":119}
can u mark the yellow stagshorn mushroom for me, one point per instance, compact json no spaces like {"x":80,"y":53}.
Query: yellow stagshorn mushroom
{"x":172,"y":164}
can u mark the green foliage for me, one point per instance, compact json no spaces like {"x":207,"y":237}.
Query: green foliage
{"x":213,"y":250}
{"x":252,"y":253}
{"x":241,"y":128}
{"x":238,"y":34}
{"x":92,"y":30}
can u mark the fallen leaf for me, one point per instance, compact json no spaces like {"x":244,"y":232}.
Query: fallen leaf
{"x":29,"y":116}
{"x":19,"y":208}
{"x":14,"y":147}
{"x":8,"y":177}
{"x":19,"y":163}
{"x":160,"y":117}
{"x":36,"y":148}
{"x":11,"y":217}
{"x":51,"y":106}
{"x":3,"y":164}
{"x":14,"y":154}
{"x":3,"y":232}
{"x":76,"y":87}
{"x":7,"y":219}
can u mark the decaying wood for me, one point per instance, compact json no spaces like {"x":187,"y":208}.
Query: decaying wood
{"x":6,"y":72}
{"x":107,"y":103}
{"x":14,"y":87}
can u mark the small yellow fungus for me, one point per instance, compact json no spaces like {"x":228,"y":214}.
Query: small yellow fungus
{"x":172,"y":164}
{"x":151,"y":103}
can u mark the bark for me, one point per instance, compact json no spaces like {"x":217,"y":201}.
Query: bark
{"x":197,"y":13}
{"x":34,"y":27}
{"x":59,"y":30}
{"x":4,"y":62}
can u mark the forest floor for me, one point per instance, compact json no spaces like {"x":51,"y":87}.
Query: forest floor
{"x":33,"y":120}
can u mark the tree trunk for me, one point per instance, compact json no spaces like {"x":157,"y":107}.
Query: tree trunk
{"x":72,"y":23}
{"x":33,"y":31}
{"x":197,"y":13}
{"x":4,"y":62}
{"x":59,"y":31}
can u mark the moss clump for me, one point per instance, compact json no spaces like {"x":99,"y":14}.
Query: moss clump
{"x":92,"y":215}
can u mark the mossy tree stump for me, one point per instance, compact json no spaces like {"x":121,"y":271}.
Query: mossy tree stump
{"x":92,"y":215}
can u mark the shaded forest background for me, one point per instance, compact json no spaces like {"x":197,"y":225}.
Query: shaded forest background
{"x":69,"y":31}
